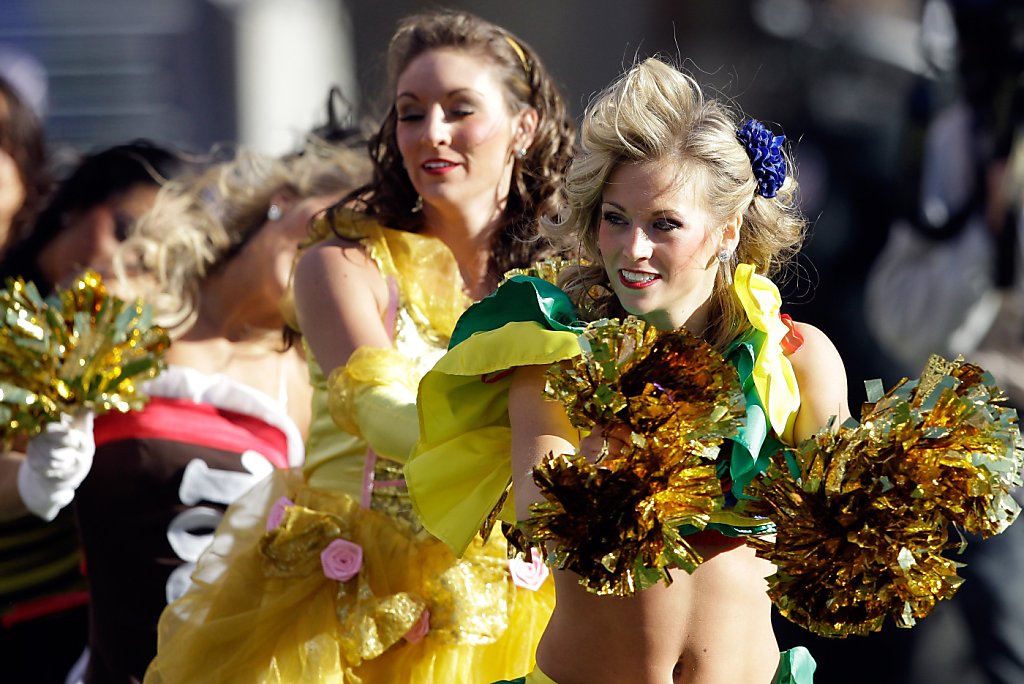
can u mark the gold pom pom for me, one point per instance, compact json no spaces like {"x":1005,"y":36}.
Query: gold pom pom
{"x":864,"y":514}
{"x":615,"y":522}
{"x":78,"y":348}
{"x":547,"y":269}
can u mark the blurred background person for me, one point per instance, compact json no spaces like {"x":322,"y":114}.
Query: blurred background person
{"x":82,"y":223}
{"x":42,"y":593}
{"x":25,"y":178}
{"x":955,"y":249}
{"x":949,"y":281}
{"x":213,"y":256}
{"x":91,"y":213}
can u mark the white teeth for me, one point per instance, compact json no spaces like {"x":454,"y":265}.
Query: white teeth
{"x":436,"y":165}
{"x":634,"y":277}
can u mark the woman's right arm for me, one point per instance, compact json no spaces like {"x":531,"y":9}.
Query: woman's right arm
{"x":539,"y":427}
{"x":11,"y":503}
{"x":340,"y":298}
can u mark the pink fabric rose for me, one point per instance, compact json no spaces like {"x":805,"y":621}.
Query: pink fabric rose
{"x":419,"y":629}
{"x":341,"y":560}
{"x":529,"y":575}
{"x":277,"y":512}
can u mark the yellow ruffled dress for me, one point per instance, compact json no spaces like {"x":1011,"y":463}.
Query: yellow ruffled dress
{"x":325,"y":574}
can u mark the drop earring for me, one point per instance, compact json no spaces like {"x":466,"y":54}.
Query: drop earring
{"x":417,"y":206}
{"x":274,"y":213}
{"x":724,"y":256}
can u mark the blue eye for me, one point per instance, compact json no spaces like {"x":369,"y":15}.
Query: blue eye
{"x":614,"y":218}
{"x":666,"y":225}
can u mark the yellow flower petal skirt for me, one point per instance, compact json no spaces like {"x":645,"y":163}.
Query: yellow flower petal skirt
{"x":263,"y":611}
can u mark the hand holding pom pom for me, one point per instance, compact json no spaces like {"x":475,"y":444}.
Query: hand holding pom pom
{"x":864,"y":514}
{"x":79,"y":349}
{"x":56,"y":461}
{"x":670,"y":399}
{"x":63,"y":360}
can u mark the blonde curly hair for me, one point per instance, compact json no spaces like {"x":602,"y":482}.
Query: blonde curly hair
{"x":198,"y":223}
{"x":656,"y":113}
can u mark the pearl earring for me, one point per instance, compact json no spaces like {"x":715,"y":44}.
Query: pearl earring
{"x":521,"y":153}
{"x":274,"y":213}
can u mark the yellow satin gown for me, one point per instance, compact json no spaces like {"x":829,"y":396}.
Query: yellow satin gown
{"x":263,"y":609}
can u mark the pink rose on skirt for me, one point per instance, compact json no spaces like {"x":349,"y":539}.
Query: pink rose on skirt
{"x":341,"y":560}
{"x":529,"y":575}
{"x":276,"y":513}
{"x":419,"y":629}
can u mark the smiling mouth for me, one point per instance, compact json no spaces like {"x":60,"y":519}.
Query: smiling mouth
{"x":438,"y":166}
{"x":637,"y":279}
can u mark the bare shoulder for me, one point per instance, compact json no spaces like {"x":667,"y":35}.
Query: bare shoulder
{"x":340,"y":297}
{"x":336,"y":255}
{"x":817,"y":353}
{"x":821,"y":376}
{"x":336,"y":266}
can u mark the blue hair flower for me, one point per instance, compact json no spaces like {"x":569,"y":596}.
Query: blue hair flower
{"x":765,"y":152}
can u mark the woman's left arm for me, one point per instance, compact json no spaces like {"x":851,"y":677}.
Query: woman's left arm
{"x":821,"y":375}
{"x":539,"y":426}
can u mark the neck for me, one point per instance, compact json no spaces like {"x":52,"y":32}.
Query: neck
{"x":697,"y":323}
{"x":694,"y":320}
{"x":468,"y":233}
{"x":231,"y":309}
{"x":7,"y":236}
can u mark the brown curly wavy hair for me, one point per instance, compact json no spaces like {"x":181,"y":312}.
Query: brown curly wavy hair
{"x":390,"y":197}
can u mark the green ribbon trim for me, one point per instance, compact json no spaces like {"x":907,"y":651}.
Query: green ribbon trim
{"x":520,"y":298}
{"x":753,"y":446}
{"x":796,"y":666}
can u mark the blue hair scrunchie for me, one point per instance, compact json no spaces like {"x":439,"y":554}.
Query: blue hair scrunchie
{"x":765,"y":152}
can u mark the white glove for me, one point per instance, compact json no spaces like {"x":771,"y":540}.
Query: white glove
{"x":56,"y":462}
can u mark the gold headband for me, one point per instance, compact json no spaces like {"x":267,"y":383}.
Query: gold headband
{"x":520,"y":52}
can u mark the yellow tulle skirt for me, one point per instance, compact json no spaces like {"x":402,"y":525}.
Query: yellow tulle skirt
{"x":263,"y":609}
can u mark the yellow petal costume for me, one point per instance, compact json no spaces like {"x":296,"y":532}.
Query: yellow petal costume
{"x":275,"y":602}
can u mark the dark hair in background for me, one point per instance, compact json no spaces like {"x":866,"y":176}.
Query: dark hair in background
{"x":390,"y":196}
{"x":990,"y":38}
{"x":96,"y":179}
{"x":339,"y":128}
{"x":989,"y":76}
{"x":991,"y":68}
{"x":21,"y":136}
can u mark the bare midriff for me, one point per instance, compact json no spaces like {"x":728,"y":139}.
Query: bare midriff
{"x":711,"y":627}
